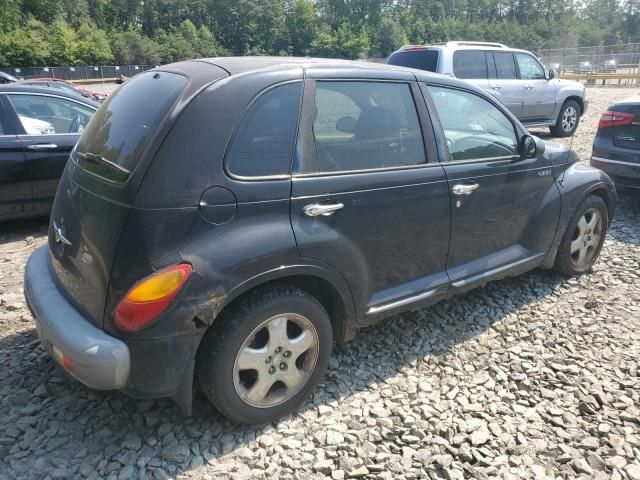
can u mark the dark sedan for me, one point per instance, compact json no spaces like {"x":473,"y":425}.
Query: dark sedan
{"x":38,"y":129}
{"x":616,"y":147}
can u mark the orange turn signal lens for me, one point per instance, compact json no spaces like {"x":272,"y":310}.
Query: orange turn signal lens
{"x":149,"y":297}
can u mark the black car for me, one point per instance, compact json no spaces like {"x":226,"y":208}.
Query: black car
{"x":260,"y":208}
{"x":616,"y":146}
{"x":38,"y":129}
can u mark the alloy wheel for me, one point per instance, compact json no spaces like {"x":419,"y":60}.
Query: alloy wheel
{"x":569,"y":118}
{"x":586,"y":237}
{"x":276,"y":360}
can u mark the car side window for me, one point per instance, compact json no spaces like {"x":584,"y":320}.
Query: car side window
{"x":264,"y":142}
{"x":366,"y":125}
{"x":505,"y":67}
{"x":530,"y":69}
{"x":470,"y":64}
{"x":473,"y":127}
{"x":46,"y":115}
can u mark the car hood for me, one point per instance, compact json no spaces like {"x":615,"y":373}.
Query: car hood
{"x":558,"y":153}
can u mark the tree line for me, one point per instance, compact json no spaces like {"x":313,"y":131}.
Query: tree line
{"x":90,"y":32}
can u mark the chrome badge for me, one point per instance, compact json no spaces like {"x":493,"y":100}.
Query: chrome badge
{"x":59,"y":234}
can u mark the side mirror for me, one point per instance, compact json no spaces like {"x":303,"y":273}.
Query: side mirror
{"x":346,"y":125}
{"x":552,"y":74}
{"x":528,"y":147}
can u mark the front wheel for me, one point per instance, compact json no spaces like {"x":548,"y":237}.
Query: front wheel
{"x":568,"y":119}
{"x":584,"y":238}
{"x":266,"y":356}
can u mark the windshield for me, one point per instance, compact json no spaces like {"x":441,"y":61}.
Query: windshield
{"x":117,"y":136}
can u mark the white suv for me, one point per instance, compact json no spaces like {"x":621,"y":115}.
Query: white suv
{"x":515,"y":77}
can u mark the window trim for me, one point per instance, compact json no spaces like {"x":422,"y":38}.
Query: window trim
{"x":307,"y":141}
{"x":515,"y":59}
{"x":440,"y":133}
{"x":18,"y":124}
{"x":234,"y":134}
{"x":465,"y":50}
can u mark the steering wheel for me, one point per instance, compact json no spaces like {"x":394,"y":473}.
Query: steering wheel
{"x":75,"y":124}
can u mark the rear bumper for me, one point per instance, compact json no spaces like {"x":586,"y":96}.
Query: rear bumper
{"x":623,"y":173}
{"x":86,"y":352}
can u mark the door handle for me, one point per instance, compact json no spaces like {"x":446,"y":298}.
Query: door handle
{"x":315,"y":209}
{"x":528,"y":87}
{"x":42,"y":146}
{"x":462,"y":189}
{"x":496,"y":87}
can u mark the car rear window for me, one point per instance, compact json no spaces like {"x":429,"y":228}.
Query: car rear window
{"x":117,"y":136}
{"x":420,"y":59}
{"x":470,"y":64}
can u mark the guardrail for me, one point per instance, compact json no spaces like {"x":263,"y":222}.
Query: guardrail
{"x":79,"y":74}
{"x":592,"y":78}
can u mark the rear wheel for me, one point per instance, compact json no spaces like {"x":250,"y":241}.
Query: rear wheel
{"x":568,"y":119}
{"x":266,"y":356}
{"x":583,"y":240}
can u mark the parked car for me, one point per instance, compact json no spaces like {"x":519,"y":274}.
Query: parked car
{"x":38,"y":129}
{"x":329,"y":195}
{"x":585,"y":67}
{"x":6,"y":78}
{"x":609,"y":65}
{"x":556,"y":67}
{"x":515,"y":77}
{"x":616,"y":146}
{"x":68,"y":87}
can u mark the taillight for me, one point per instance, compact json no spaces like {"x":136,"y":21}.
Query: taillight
{"x":610,"y":119}
{"x":149,"y":297}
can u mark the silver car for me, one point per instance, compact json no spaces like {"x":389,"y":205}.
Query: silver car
{"x":516,"y":77}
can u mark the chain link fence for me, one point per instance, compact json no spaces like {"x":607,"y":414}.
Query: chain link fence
{"x":81,"y":73}
{"x":607,"y":59}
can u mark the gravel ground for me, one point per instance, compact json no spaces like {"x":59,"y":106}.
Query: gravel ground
{"x":532,"y":377}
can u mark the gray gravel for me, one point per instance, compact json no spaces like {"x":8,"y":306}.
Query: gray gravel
{"x":532,"y":377}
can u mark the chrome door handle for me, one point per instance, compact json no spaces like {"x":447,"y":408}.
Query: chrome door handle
{"x":461,"y":189}
{"x":528,"y":87}
{"x":496,"y":87}
{"x":315,"y":209}
{"x":42,"y":146}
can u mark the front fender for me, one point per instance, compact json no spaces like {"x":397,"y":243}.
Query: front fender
{"x":577,"y":182}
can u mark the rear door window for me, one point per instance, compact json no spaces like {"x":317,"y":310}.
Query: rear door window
{"x":470,"y":64}
{"x":263,"y":145}
{"x":505,"y":66}
{"x":115,"y":140}
{"x":421,"y":59}
{"x":366,"y":125}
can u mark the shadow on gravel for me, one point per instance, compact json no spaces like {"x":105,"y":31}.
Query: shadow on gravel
{"x":626,"y":227}
{"x":19,"y":229}
{"x":51,"y":423}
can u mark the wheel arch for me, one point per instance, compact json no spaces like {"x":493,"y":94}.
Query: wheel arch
{"x":576,"y":98}
{"x":328,"y":287}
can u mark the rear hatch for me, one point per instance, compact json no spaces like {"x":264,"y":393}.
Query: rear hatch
{"x":100,"y":183}
{"x":420,"y":57}
{"x":626,"y":125}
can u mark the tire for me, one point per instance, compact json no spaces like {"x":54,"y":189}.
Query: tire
{"x":590,"y":219}
{"x":254,"y":334}
{"x":568,"y":119}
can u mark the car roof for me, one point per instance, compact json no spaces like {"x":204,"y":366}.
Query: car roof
{"x":206,"y":68}
{"x":22,"y":88}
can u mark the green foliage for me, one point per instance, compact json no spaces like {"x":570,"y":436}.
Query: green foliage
{"x":72,"y":32}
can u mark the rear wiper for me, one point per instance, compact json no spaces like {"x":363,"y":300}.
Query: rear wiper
{"x":100,"y":160}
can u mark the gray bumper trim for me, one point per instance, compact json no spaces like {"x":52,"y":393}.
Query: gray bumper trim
{"x":99,"y":360}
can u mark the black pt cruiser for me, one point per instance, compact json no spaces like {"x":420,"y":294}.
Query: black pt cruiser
{"x":260,"y":208}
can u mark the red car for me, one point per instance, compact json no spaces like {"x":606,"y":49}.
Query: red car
{"x":66,"y":86}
